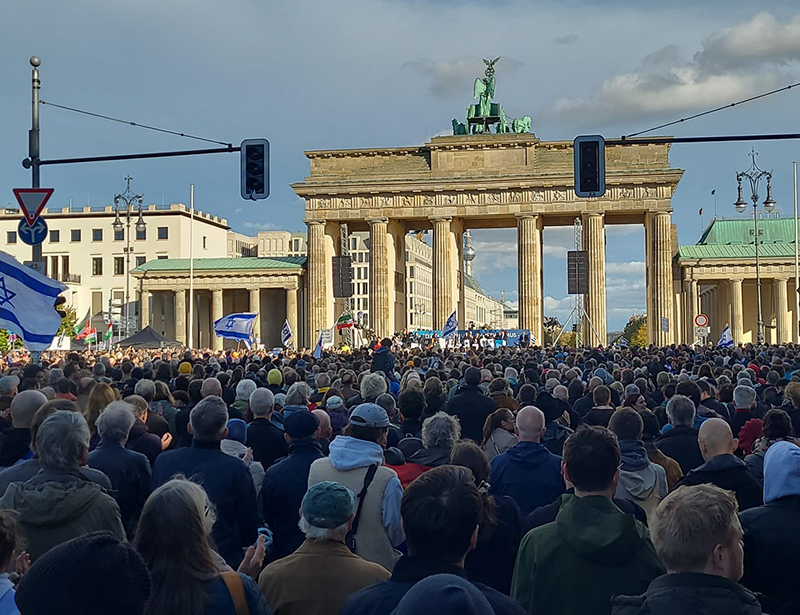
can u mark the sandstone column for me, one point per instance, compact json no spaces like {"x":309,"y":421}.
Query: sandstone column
{"x":594,"y":241}
{"x":216,"y":314}
{"x":529,"y":272}
{"x":661,"y":278}
{"x":255,"y":307}
{"x":317,"y":282}
{"x":180,"y":316}
{"x":737,"y":313}
{"x":691,"y":310}
{"x":784,"y":331}
{"x":442,"y":275}
{"x":144,"y":308}
{"x":291,"y":315}
{"x":379,"y":276}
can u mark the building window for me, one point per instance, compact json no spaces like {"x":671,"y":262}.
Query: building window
{"x":163,"y":232}
{"x":411,"y":271}
{"x":119,"y":235}
{"x":11,"y":237}
{"x":366,"y":257}
{"x":204,"y":242}
{"x":119,"y":265}
{"x":97,"y":234}
{"x":55,"y":236}
{"x":75,"y":235}
{"x":65,"y":264}
{"x":97,"y":265}
{"x":162,"y":257}
{"x":141,"y":234}
{"x":53,"y":267}
{"x":140,"y":260}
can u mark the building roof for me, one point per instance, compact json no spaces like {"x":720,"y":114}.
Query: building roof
{"x":473,"y":284}
{"x":733,"y":239}
{"x":223,"y":264}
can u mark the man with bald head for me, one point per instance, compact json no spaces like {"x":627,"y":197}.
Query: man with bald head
{"x":15,"y":442}
{"x":325,"y":432}
{"x":528,"y":472}
{"x":722,"y":468}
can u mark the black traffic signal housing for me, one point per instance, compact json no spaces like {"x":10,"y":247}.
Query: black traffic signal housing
{"x":590,"y":166}
{"x":57,"y":304}
{"x":254,"y":168}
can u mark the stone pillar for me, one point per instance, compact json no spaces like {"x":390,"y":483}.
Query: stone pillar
{"x":144,"y":308}
{"x":442,"y":275}
{"x":169,"y":315}
{"x":737,"y":311}
{"x":255,"y":308}
{"x":379,"y":277}
{"x":594,"y":241}
{"x":317,"y":281}
{"x":784,"y":331}
{"x":691,"y":310}
{"x":180,"y":316}
{"x":216,"y":314}
{"x":660,"y":280}
{"x":529,"y":272}
{"x":291,"y":315}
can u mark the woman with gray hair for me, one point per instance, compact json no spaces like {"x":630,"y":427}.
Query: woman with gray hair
{"x":439,"y":433}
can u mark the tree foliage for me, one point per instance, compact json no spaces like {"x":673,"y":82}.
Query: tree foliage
{"x":636,"y":331}
{"x":69,"y":321}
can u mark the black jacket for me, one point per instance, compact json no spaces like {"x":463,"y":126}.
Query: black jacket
{"x":738,"y":419}
{"x":471,"y":407}
{"x":431,"y":457}
{"x":728,"y":472}
{"x":680,"y":443}
{"x":142,"y":441}
{"x":598,"y":416}
{"x":267,"y":441}
{"x":15,"y":444}
{"x":688,"y":593}
{"x":772,"y":553}
{"x":381,"y":599}
{"x":282,"y":491}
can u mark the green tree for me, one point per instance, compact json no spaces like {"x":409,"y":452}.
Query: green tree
{"x":68,"y":322}
{"x":636,"y":331}
{"x":4,"y":345}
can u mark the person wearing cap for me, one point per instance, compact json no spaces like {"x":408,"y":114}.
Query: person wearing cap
{"x":351,"y":458}
{"x":327,"y":513}
{"x":471,"y":406}
{"x":234,"y":445}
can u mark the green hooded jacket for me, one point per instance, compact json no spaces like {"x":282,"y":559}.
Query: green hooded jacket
{"x":592,"y":551}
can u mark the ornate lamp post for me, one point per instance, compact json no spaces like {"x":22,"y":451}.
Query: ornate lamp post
{"x":128,"y":199}
{"x":754,"y":175}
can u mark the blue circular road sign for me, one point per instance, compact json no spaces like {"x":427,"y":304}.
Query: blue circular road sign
{"x":32,"y":235}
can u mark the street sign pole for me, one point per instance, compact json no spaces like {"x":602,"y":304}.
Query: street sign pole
{"x":33,"y":141}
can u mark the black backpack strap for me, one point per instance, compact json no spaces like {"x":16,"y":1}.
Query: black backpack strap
{"x":368,"y":478}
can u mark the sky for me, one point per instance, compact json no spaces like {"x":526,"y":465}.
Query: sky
{"x":317,"y":74}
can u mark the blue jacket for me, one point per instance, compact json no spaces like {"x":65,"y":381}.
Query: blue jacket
{"x":230,"y":488}
{"x":528,"y":473}
{"x":8,"y":605}
{"x":383,"y":361}
{"x":282,"y":491}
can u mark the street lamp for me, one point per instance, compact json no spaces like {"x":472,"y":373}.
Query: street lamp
{"x":128,"y":199}
{"x":755,"y":174}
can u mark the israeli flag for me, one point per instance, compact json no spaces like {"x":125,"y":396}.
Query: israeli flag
{"x":26,"y":303}
{"x":286,"y":334}
{"x":450,"y":326}
{"x":726,"y":341}
{"x":236,"y":327}
{"x":317,"y":354}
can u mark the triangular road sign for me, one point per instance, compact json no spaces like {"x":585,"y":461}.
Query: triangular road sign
{"x":32,"y":201}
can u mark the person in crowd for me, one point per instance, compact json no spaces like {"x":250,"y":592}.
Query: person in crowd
{"x":244,"y":389}
{"x":15,"y":441}
{"x":395,"y":433}
{"x":640,"y":480}
{"x":10,"y":546}
{"x":356,"y":461}
{"x":745,"y":402}
{"x":771,"y":540}
{"x":471,"y":406}
{"x":680,"y":442}
{"x":156,"y":424}
{"x":263,"y":436}
{"x":777,"y":427}
{"x":175,"y":540}
{"x":327,"y":513}
{"x":492,"y":560}
{"x":555,"y":432}
{"x":339,"y":417}
{"x":286,"y":482}
{"x":383,"y":361}
{"x":591,"y":539}
{"x":102,"y":394}
{"x":372,"y":386}
{"x":499,"y":433}
{"x":442,"y":512}
{"x":348,"y":389}
{"x":63,"y":389}
{"x":322,"y":383}
{"x":58,"y":503}
{"x":500,"y":392}
{"x":435,"y":399}
{"x":603,"y":408}
{"x":233,"y":444}
{"x":708,"y":400}
{"x":444,"y":593}
{"x":697,"y":535}
{"x":140,"y":439}
{"x":128,"y":471}
{"x":297,"y":398}
{"x":791,"y":405}
{"x":412,"y":405}
{"x":528,"y":472}
{"x":164,"y":404}
{"x":440,"y":432}
{"x":650,"y":432}
{"x":84,"y":389}
{"x":325,"y":430}
{"x":226,"y":479}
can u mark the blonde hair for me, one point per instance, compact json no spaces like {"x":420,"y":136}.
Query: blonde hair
{"x":102,"y":394}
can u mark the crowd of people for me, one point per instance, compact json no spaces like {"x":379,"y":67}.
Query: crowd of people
{"x":398,"y":479}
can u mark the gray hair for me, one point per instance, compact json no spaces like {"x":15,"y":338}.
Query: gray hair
{"x":210,"y":387}
{"x":115,"y":423}
{"x":209,"y":418}
{"x":321,"y":534}
{"x":561,"y":392}
{"x":298,"y":394}
{"x":261,"y":402}
{"x":99,"y":369}
{"x":373,"y":386}
{"x":62,"y":441}
{"x":145,"y":388}
{"x":680,"y":411}
{"x":55,"y":374}
{"x":441,"y":430}
{"x":632,"y":389}
{"x":744,"y":397}
{"x":550,"y":384}
{"x":244,"y":390}
{"x":322,"y":380}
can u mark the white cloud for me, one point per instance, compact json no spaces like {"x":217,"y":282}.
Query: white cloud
{"x":623,"y":230}
{"x":631,"y":267}
{"x":261,"y":226}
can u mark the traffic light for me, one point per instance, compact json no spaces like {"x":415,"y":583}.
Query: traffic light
{"x":254,"y":166}
{"x":60,"y":301}
{"x":590,"y":166}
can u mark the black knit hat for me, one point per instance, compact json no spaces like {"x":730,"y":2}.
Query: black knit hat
{"x":95,"y":574}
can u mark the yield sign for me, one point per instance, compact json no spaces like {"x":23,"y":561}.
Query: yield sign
{"x":32,"y":201}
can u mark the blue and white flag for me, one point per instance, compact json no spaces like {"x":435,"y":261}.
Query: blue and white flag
{"x":622,"y":342}
{"x":236,"y":327}
{"x":450,"y":326}
{"x":286,"y":334}
{"x":726,"y":341}
{"x":317,"y":354}
{"x":26,"y":303}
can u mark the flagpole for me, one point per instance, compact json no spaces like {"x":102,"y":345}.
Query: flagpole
{"x":796,"y":263}
{"x":191,"y":265}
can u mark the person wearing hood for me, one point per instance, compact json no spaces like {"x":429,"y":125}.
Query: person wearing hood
{"x":771,"y":540}
{"x":15,"y":442}
{"x":640,"y":480}
{"x":528,"y":472}
{"x":59,"y":504}
{"x":722,"y":468}
{"x":608,"y":551}
{"x":356,"y":461}
{"x":697,"y":534}
{"x":471,"y":406}
{"x":233,"y":444}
